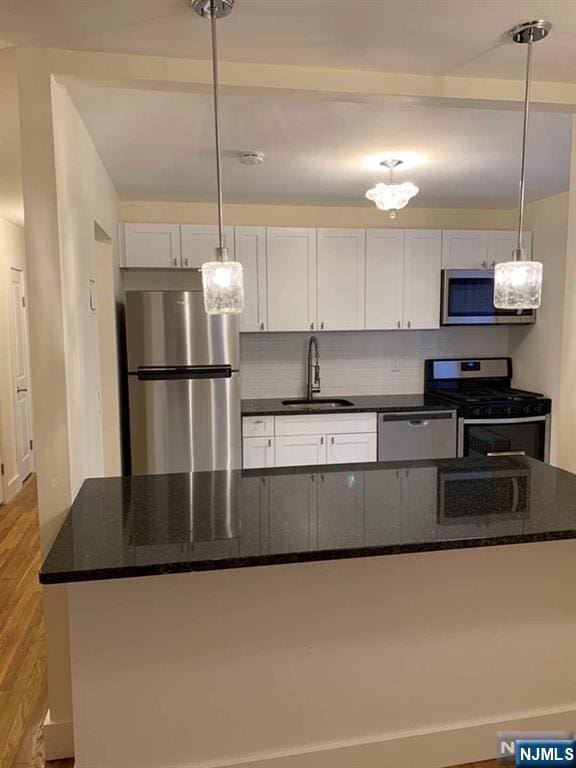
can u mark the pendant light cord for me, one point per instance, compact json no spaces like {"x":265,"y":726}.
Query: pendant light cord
{"x":524,"y":141}
{"x":217,"y":128}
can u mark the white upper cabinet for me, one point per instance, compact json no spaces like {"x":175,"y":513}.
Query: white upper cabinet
{"x":384,"y":278}
{"x":341,"y":279}
{"x":199,"y":243}
{"x":501,"y":244}
{"x":250,"y":245}
{"x":422,"y":278}
{"x":291,"y":279}
{"x":152,"y":245}
{"x":464,"y":249}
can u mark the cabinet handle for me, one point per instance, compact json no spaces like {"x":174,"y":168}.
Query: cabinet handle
{"x":485,"y":264}
{"x":321,"y":441}
{"x":311,"y":326}
{"x":493,"y":264}
{"x":332,"y":440}
{"x":174,"y":262}
{"x":261,"y":326}
{"x":186,"y":262}
{"x":409,"y":324}
{"x":269,"y":442}
{"x":322,"y":326}
{"x":399,"y":324}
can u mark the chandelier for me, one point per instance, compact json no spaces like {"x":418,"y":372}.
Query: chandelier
{"x":392,"y":197}
{"x":222,"y":279}
{"x":518,"y":283}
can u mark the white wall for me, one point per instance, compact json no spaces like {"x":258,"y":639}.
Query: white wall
{"x":359,"y":362}
{"x":537,"y":350}
{"x":86,"y":197}
{"x":12,"y":254}
{"x":11,"y":201}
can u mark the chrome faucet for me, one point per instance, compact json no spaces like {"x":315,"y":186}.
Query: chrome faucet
{"x":313,"y":379}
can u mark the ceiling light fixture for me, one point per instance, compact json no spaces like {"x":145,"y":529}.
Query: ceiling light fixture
{"x":222,"y":280}
{"x":392,"y":197}
{"x":518,"y":283}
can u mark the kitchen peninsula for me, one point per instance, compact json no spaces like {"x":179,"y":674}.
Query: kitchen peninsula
{"x":189,"y":649}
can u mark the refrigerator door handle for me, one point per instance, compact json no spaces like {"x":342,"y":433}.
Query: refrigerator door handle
{"x":163,"y":373}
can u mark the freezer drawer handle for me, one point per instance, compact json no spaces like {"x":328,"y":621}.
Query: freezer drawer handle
{"x":419,"y":422}
{"x":506,"y":453}
{"x":185,"y":372}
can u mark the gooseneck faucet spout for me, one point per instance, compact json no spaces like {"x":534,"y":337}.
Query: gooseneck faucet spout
{"x":313,"y":378}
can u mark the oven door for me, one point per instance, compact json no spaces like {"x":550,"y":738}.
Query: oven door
{"x":468,"y":299}
{"x":528,"y":436}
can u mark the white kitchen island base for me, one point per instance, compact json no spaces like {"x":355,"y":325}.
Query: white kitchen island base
{"x":406,"y":660}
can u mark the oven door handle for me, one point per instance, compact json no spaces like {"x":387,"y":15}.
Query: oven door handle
{"x":506,"y":453}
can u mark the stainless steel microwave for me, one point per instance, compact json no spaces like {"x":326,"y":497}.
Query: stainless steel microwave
{"x":468,"y":299}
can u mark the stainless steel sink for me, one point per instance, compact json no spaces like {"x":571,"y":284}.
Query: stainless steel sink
{"x":318,"y":403}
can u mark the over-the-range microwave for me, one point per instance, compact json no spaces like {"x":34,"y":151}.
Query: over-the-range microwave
{"x":468,"y":299}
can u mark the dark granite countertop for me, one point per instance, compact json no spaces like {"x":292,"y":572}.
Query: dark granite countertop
{"x":161,"y":524}
{"x":360,"y":404}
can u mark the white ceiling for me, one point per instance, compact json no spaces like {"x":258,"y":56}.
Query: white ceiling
{"x":458,"y":37}
{"x":159,"y":145}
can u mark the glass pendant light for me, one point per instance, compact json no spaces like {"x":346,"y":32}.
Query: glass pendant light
{"x":222,"y":280}
{"x":392,"y":197}
{"x":518,"y":283}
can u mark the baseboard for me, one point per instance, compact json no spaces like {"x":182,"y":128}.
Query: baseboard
{"x":58,"y":739}
{"x":459,"y":744}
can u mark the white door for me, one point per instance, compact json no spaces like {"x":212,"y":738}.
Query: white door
{"x":464,"y":249}
{"x":257,"y":452}
{"x":299,"y":450}
{"x":152,"y":245}
{"x":422,"y":278}
{"x":291,"y":279}
{"x":384,"y":278}
{"x":501,"y":245}
{"x":199,"y":243}
{"x":341,"y":279}
{"x":250,"y":244}
{"x":20,"y":372}
{"x":348,"y":449}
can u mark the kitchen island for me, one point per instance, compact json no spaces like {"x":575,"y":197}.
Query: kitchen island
{"x":413,"y":610}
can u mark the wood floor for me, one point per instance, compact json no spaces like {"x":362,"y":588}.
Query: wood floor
{"x":23,"y":696}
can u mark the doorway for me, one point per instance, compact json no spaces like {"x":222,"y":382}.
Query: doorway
{"x":21,"y":373}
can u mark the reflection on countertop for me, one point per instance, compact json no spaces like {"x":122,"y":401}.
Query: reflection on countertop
{"x":160,"y":524}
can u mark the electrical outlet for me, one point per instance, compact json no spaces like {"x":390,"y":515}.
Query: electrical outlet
{"x":394,"y":365}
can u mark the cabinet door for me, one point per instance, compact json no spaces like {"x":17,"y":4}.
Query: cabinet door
{"x":340,"y":510}
{"x":348,"y":449}
{"x":291,"y":279}
{"x":341,"y":279}
{"x":501,"y":245}
{"x":250,"y":244}
{"x":257,"y":452}
{"x":422,"y":278}
{"x":384,"y":278}
{"x":199,"y":244}
{"x":300,"y":450}
{"x":152,"y":245}
{"x":464,"y":249}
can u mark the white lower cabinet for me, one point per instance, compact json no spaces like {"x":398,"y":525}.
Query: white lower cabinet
{"x":349,"y":449}
{"x":258,"y":452}
{"x":300,"y":450}
{"x":302,"y":440}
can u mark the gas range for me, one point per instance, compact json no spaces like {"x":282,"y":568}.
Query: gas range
{"x":481,"y":388}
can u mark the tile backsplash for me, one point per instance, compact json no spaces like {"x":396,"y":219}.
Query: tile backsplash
{"x":358,"y":362}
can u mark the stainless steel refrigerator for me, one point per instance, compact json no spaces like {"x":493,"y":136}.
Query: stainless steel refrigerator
{"x":183,"y":384}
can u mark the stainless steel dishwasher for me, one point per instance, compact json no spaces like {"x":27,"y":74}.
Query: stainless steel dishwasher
{"x":403,"y":436}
